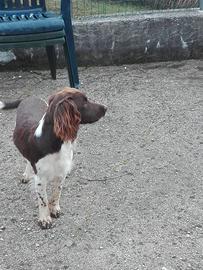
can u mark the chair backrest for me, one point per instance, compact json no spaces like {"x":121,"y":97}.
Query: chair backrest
{"x":11,"y":5}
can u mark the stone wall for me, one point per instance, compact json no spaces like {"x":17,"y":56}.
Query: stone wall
{"x":152,"y":36}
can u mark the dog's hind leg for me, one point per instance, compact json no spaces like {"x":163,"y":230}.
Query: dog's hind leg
{"x":54,"y":206}
{"x":44,"y":214}
{"x":28,"y":173}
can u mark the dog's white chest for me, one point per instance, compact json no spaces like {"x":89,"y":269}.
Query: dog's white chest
{"x":57,"y":164}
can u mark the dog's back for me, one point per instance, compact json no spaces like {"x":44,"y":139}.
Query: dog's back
{"x":29,"y":113}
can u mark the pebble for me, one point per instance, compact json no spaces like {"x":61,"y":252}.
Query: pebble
{"x":2,"y":228}
{"x":69,"y":243}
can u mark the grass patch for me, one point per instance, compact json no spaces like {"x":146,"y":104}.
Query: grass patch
{"x":92,"y":8}
{"x":172,"y":4}
{"x":83,"y":8}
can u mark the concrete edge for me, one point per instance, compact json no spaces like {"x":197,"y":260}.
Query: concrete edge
{"x":143,"y":37}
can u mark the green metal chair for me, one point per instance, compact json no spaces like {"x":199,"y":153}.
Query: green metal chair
{"x":27,"y":23}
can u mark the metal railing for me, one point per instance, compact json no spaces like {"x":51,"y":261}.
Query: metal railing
{"x":88,"y":8}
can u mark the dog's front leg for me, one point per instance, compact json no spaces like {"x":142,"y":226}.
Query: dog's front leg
{"x":54,"y":206}
{"x":28,"y":173}
{"x":44,"y":214}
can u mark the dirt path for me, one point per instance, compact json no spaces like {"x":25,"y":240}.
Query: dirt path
{"x":134,"y":199}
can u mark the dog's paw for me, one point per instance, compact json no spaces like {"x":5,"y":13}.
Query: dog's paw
{"x":26,"y":178}
{"x":55,"y":211}
{"x":45,"y":223}
{"x":24,"y":181}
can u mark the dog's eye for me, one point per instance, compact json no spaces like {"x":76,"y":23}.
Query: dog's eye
{"x":85,"y":99}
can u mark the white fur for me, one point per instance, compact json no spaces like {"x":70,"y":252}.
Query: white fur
{"x":57,"y":164}
{"x":2,"y":105}
{"x":28,"y":173}
{"x":53,"y":167}
{"x":38,"y":131}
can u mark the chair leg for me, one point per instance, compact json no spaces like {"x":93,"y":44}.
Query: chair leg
{"x":69,"y":52}
{"x":52,"y":60}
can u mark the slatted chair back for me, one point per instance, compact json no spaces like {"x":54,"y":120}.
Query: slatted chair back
{"x":9,"y":5}
{"x":27,"y":24}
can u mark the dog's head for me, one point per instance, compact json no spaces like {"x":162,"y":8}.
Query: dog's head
{"x":69,"y":108}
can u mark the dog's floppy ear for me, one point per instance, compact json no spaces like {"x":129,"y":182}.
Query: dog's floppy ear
{"x":66,"y":120}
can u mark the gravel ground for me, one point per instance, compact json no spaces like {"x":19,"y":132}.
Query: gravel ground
{"x":134,"y":198}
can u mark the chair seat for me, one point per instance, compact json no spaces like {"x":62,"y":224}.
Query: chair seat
{"x":30,"y":24}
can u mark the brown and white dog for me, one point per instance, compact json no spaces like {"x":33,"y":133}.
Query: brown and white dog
{"x":45,"y":136}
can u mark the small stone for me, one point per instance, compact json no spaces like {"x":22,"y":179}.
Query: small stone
{"x":13,"y":220}
{"x":37,"y":245}
{"x":69,"y":243}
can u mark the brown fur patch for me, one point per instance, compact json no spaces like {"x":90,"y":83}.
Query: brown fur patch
{"x":67,"y":91}
{"x":66,"y":120}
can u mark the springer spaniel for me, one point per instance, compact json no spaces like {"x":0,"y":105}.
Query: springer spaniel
{"x":45,"y":136}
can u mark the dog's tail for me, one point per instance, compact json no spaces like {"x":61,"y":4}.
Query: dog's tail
{"x":9,"y":105}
